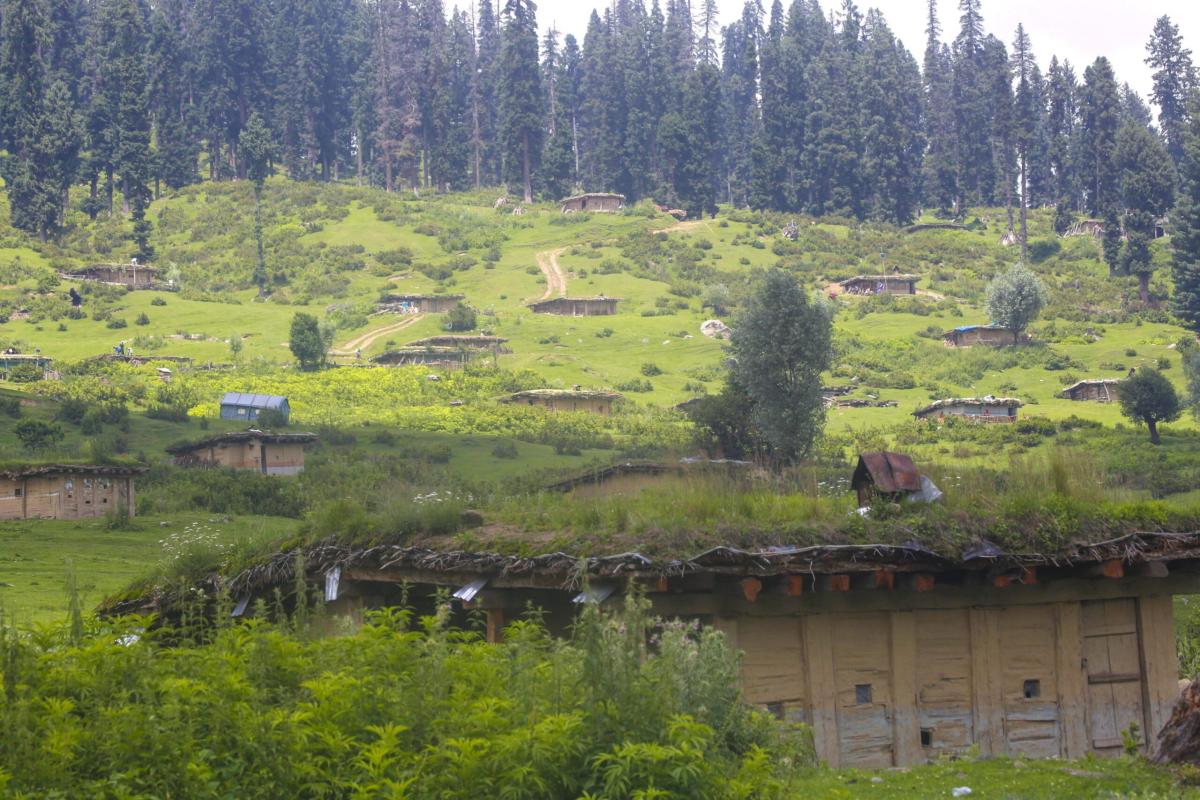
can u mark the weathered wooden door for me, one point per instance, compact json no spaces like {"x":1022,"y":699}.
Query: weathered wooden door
{"x":943,"y":681}
{"x":1112,"y":650}
{"x":862,"y":658}
{"x":1029,"y":681}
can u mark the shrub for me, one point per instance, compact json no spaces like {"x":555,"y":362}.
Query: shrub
{"x":158,"y":301}
{"x":116,"y":324}
{"x":36,"y":435}
{"x":505,"y":450}
{"x":650,"y":369}
{"x":460,"y":318}
{"x":10,"y":407}
{"x":1042,"y":249}
{"x":142,"y":319}
{"x":26,"y":373}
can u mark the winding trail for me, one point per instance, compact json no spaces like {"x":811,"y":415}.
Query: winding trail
{"x":556,"y":276}
{"x":364,"y":341}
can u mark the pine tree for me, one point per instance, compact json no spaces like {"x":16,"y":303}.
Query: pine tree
{"x":485,"y":97}
{"x":739,"y":71}
{"x":1026,"y":120}
{"x":1147,"y":181}
{"x":232,"y":60}
{"x":972,"y":102}
{"x":174,"y":123}
{"x":1100,"y":118}
{"x":1185,"y":228}
{"x":939,"y":175}
{"x":258,"y":152}
{"x":1061,"y":133}
{"x":520,"y":95}
{"x":1174,"y":81}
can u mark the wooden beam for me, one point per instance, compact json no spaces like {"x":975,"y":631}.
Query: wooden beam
{"x":495,"y":625}
{"x":906,"y":729}
{"x":793,"y":585}
{"x":885,"y":579}
{"x":833,"y":583}
{"x":1150,"y":569}
{"x":920,"y":581}
{"x":1160,"y":660}
{"x":1072,"y":680}
{"x":1109,"y":569}
{"x":822,"y":691}
{"x":987,"y":695}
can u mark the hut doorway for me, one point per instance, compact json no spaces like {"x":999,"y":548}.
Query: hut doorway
{"x":1116,"y":682}
{"x":863,"y":684}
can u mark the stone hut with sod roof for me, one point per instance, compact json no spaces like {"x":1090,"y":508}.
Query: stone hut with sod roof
{"x":593,"y":202}
{"x":1099,"y":390}
{"x":260,"y":451}
{"x":599,"y":306}
{"x":976,"y":409}
{"x":970,"y":335}
{"x":566,"y":400}
{"x":132,"y":275}
{"x":66,"y":491}
{"x":419,"y":303}
{"x":892,"y":283}
{"x":916,"y":648}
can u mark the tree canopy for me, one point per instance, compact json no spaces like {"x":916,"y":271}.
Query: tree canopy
{"x":1147,"y":397}
{"x":1015,"y":298}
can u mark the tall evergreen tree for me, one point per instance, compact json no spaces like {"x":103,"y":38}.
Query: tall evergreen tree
{"x":1174,"y":81}
{"x":232,"y":60}
{"x":485,"y":96}
{"x":740,"y":89}
{"x":1100,"y":118}
{"x":973,"y":117}
{"x":1026,"y":121}
{"x":1061,"y":134}
{"x":1185,"y":228}
{"x":520,"y":95}
{"x":1147,"y":183}
{"x":939,"y":176}
{"x":257,"y":150}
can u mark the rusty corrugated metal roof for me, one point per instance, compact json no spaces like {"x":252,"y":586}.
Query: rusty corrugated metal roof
{"x":889,"y":472}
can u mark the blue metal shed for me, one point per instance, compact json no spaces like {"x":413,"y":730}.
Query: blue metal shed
{"x":245,"y":406}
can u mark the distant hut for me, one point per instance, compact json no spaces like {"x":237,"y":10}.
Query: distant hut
{"x":601,"y":202}
{"x":976,"y":409}
{"x":969,"y":335}
{"x":429,"y":356}
{"x":567,"y":400}
{"x":66,"y":491}
{"x":246,"y":406}
{"x":260,"y":451}
{"x":419,"y":303}
{"x":1099,"y":390}
{"x":894,"y":283}
{"x":132,"y":275}
{"x":599,"y":306}
{"x":1086,"y":227}
{"x":494,"y":343}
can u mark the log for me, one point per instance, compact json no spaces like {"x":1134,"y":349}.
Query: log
{"x":1179,"y":740}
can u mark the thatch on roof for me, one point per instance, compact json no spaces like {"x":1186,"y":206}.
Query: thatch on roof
{"x":981,"y":402}
{"x":267,"y":437}
{"x":565,"y":394}
{"x":34,"y":470}
{"x":453,"y":340}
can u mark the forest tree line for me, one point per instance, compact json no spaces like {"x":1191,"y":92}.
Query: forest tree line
{"x":797,"y":109}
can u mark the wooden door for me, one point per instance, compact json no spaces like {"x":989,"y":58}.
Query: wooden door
{"x":1115,"y":681}
{"x":1029,"y":681}
{"x":862,"y":658}
{"x":943,"y":681}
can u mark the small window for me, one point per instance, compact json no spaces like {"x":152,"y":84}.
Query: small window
{"x":926,"y":737}
{"x":1033,"y":688}
{"x":18,"y":492}
{"x":775,"y":710}
{"x":862,"y":694}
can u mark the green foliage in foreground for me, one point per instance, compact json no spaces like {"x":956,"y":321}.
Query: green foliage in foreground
{"x":403,"y":708}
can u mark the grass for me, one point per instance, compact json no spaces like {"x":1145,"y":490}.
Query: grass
{"x":37,"y":556}
{"x":1001,"y":779}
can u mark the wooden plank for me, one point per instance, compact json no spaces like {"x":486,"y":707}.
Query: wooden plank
{"x":1072,"y":691}
{"x":822,"y":693}
{"x":987,"y":698}
{"x":773,"y":668}
{"x":1160,"y":659}
{"x":495,"y":625}
{"x":944,"y":703}
{"x":906,"y":731}
{"x":861,"y":645}
{"x":1029,"y":655}
{"x":751,"y":588}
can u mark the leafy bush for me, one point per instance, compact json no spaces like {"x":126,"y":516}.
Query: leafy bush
{"x":505,"y":450}
{"x":10,"y":407}
{"x":26,"y":373}
{"x":650,"y":369}
{"x":460,"y":318}
{"x":142,"y":319}
{"x":36,"y":435}
{"x":116,"y":324}
{"x":158,"y":301}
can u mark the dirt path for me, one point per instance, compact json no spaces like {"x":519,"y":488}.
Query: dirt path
{"x":369,"y":338}
{"x":556,"y":276}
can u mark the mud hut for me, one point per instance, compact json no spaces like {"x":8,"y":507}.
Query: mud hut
{"x":1099,"y":390}
{"x":566,"y":400}
{"x":419,"y":303}
{"x":975,"y":409}
{"x":893,"y":283}
{"x":132,"y":275}
{"x":254,"y":450}
{"x":66,"y":491}
{"x":599,"y":306}
{"x":428,"y":356}
{"x":971,"y":335}
{"x":596,"y":202}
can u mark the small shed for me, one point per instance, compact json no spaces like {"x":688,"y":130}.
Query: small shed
{"x":976,"y":409}
{"x":260,"y":451}
{"x":1086,"y":227}
{"x":894,"y":283}
{"x":432,"y":356}
{"x":132,"y":275}
{"x":601,"y":202}
{"x":246,"y":406}
{"x":419,"y":303}
{"x":66,"y":491}
{"x":567,"y":400}
{"x":599,"y":306}
{"x":987,"y":335}
{"x":884,"y":475}
{"x":1097,"y":390}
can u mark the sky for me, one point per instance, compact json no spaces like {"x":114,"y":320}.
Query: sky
{"x":1075,"y":30}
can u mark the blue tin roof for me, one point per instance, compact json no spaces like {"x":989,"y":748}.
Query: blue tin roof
{"x":248,"y":400}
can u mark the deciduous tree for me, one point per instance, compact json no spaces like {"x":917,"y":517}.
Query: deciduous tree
{"x":1147,"y":397}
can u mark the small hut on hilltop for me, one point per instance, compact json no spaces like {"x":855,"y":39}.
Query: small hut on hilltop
{"x":601,"y":202}
{"x":132,"y":275}
{"x":969,"y":335}
{"x":892,"y":283}
{"x":566,"y":400}
{"x":1098,"y":390}
{"x":599,"y":306}
{"x":260,"y":451}
{"x":66,"y":491}
{"x":419,"y":303}
{"x":10,"y":361}
{"x":976,"y":409}
{"x":247,"y":406}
